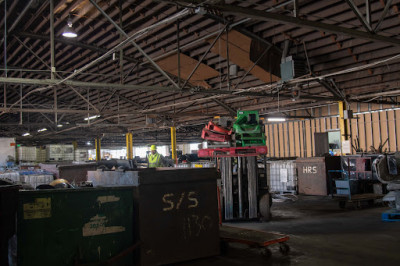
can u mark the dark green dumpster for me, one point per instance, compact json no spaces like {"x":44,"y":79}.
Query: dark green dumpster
{"x":8,"y":209}
{"x":75,"y":226}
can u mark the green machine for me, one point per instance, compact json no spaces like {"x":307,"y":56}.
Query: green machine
{"x":248,"y":130}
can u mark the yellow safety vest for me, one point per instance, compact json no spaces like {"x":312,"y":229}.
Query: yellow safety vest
{"x":154,"y":160}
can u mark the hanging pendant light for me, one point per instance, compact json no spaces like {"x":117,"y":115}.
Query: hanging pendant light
{"x":69,"y":31}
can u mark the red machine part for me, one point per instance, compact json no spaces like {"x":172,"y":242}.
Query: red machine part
{"x":218,"y":129}
{"x":210,"y":135}
{"x":233,"y":151}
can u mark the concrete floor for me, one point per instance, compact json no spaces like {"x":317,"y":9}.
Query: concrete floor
{"x":320,"y":234}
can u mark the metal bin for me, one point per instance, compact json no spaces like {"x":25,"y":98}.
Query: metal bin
{"x":176,"y":215}
{"x":8,"y":209}
{"x":313,"y":176}
{"x":75,"y":226}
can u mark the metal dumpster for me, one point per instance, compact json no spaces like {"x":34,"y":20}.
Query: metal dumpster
{"x":75,"y":226}
{"x":8,"y":209}
{"x":176,"y":215}
{"x":313,"y":178}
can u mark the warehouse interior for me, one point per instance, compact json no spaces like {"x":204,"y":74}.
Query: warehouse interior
{"x":222,"y":132}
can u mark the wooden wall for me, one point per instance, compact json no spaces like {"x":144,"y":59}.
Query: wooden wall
{"x":371,"y":126}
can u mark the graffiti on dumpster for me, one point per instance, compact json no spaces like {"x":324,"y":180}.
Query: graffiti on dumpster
{"x":194,"y":225}
{"x":97,"y":226}
{"x":40,"y":208}
{"x":181,"y":200}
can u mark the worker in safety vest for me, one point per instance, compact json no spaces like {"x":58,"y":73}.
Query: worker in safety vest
{"x":154,"y":158}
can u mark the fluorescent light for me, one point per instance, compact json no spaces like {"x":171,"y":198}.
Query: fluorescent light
{"x":69,"y":32}
{"x":91,"y":117}
{"x":42,"y":129}
{"x":88,"y":143}
{"x":26,"y":134}
{"x":59,"y":125}
{"x":276,"y":119}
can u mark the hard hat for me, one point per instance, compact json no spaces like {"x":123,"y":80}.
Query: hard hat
{"x":153,"y":148}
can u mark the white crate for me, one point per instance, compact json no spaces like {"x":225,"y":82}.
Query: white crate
{"x":81,"y":155}
{"x":27,"y":154}
{"x":57,"y":152}
{"x":36,"y":179}
{"x":282,"y":176}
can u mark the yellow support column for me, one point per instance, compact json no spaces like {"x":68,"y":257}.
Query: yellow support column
{"x":97,"y":144}
{"x":129,"y":146}
{"x":344,"y":129}
{"x":75,"y":145}
{"x":173,"y":144}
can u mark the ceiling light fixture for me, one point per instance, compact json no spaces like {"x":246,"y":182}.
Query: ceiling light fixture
{"x":69,"y":32}
{"x":26,"y":134}
{"x":42,"y":129}
{"x":91,"y":117}
{"x":59,"y":125}
{"x":276,"y":119}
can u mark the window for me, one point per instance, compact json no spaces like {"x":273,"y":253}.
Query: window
{"x":194,"y":147}
{"x":141,"y":151}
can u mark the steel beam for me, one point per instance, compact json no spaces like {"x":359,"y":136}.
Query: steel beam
{"x":231,"y":111}
{"x":203,"y":56}
{"x":368,"y":11}
{"x":52,"y":52}
{"x":72,"y":43}
{"x":315,"y":25}
{"x":134,"y":43}
{"x":51,"y":111}
{"x":359,"y":15}
{"x":385,"y":10}
{"x":99,"y":86}
{"x":54,"y":72}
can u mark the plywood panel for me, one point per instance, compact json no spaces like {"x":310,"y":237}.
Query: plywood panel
{"x":384,"y":130}
{"x":312,"y":124}
{"x":281,"y":141}
{"x":363,"y":107}
{"x":297,"y":139}
{"x":368,"y":131}
{"x":239,"y":47}
{"x":323,"y":124}
{"x":335,"y":109}
{"x":361,"y":132}
{"x":285,"y":139}
{"x":318,"y":125}
{"x":324,"y":111}
{"x":334,"y":123}
{"x":302,"y":134}
{"x":203,"y":72}
{"x":307,"y":145}
{"x":271,"y":148}
{"x":328,"y":123}
{"x":276,"y":141}
{"x":392,"y":131}
{"x":353,"y":133}
{"x":268,"y":136}
{"x":291,"y":140}
{"x":376,"y":133}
